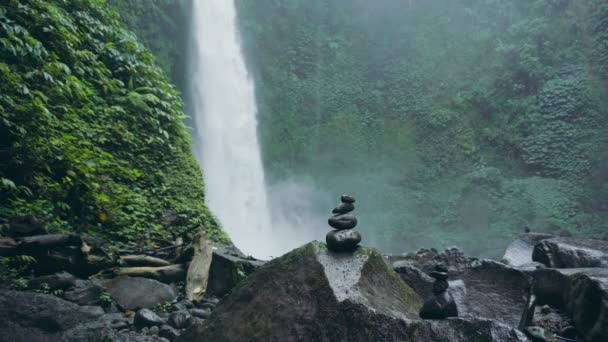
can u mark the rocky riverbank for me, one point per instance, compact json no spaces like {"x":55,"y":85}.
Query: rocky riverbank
{"x":545,"y":289}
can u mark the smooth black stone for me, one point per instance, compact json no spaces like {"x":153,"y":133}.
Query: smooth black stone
{"x":346,"y":221}
{"x":439,"y":307}
{"x":439,"y":275}
{"x":343,"y":208}
{"x":347,"y":199}
{"x":180,"y":319}
{"x":343,"y":240}
{"x":441,"y":268}
{"x":440,"y":286}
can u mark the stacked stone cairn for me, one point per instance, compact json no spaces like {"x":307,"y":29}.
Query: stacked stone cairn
{"x":344,"y":238}
{"x":442,"y":304}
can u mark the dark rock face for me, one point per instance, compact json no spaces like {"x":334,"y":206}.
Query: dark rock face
{"x":343,"y":240}
{"x":567,"y":252}
{"x":427,"y":259}
{"x":27,"y":316}
{"x":583,"y":293}
{"x":313,"y":294}
{"x":227,"y":271}
{"x":135,"y":293}
{"x":519,"y":252}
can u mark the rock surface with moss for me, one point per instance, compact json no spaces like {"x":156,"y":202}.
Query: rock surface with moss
{"x":92,"y":134}
{"x":312,"y":294}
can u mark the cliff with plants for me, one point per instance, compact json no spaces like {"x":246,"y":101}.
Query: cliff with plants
{"x":92,"y":134}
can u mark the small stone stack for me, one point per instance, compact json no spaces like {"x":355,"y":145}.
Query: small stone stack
{"x":344,"y":238}
{"x":442,"y":304}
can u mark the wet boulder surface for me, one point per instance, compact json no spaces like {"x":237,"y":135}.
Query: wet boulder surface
{"x":312,"y":294}
{"x":570,"y":252}
{"x":519,"y":251}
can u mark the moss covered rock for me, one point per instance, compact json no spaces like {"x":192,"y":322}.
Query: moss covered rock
{"x":312,"y":294}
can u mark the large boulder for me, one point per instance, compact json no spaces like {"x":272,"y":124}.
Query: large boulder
{"x":519,"y":252}
{"x":582,"y":292}
{"x":28,"y":316}
{"x":227,"y":270}
{"x":492,"y":290}
{"x":312,"y":294}
{"x":569,"y":252}
{"x":138,"y":293}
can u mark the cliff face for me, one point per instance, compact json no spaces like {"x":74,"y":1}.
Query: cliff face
{"x":92,"y":138}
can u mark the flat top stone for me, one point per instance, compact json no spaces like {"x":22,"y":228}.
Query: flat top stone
{"x":132,"y":293}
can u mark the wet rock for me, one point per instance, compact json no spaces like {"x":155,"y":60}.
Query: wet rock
{"x":567,"y":252}
{"x":143,"y":260}
{"x":343,"y":208}
{"x":135,"y":293}
{"x":26,"y":226}
{"x":88,"y":294}
{"x":519,"y":252}
{"x":582,"y":293}
{"x":57,"y":281}
{"x":147,"y":318}
{"x":346,"y":221}
{"x":493,"y":290}
{"x":8,"y":247}
{"x":39,"y":317}
{"x":180,"y":319}
{"x":343,"y":240}
{"x":427,"y":259}
{"x":168,"y":332}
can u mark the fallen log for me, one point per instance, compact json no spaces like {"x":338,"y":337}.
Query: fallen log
{"x":164,"y":274}
{"x":143,"y":260}
{"x":198,"y":272}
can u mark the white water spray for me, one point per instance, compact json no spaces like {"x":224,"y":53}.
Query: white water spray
{"x":226,"y":143}
{"x":224,"y":110}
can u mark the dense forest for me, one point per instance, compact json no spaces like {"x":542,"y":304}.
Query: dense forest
{"x":92,"y":133}
{"x":453,"y":122}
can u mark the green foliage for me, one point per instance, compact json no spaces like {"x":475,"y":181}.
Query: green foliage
{"x":13,"y":270}
{"x":105,"y":299}
{"x":92,"y":138}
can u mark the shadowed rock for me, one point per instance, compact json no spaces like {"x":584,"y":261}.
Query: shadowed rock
{"x":582,"y":292}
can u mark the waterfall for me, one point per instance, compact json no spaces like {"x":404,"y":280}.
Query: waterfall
{"x":226,"y":144}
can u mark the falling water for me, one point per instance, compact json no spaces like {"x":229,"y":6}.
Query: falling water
{"x":226,"y":142}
